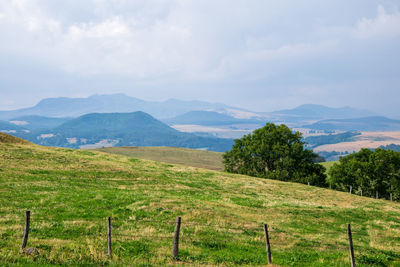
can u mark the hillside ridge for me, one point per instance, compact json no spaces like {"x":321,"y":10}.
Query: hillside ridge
{"x":9,"y":139}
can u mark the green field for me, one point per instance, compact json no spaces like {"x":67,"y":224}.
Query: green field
{"x":173,"y":155}
{"x":70,"y":193}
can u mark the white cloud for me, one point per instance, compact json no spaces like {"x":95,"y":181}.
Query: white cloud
{"x":110,"y":28}
{"x":384,"y":25}
{"x":278,"y":47}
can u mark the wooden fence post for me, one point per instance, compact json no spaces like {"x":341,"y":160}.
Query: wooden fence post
{"x":267,"y":244}
{"x":26,"y":229}
{"x":353,"y":264}
{"x":376,"y":194}
{"x":109,"y":251}
{"x":391,"y":197}
{"x":361,"y":192}
{"x":175,"y":250}
{"x":351,"y":189}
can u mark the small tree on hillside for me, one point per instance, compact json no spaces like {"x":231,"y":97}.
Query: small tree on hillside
{"x":274,"y":152}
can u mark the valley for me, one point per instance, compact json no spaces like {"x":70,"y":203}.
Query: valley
{"x":364,"y":140}
{"x":120,"y":120}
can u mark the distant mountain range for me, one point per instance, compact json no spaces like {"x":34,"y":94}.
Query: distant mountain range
{"x":75,"y":107}
{"x":121,"y":120}
{"x":119,"y":129}
{"x":319,"y":112}
{"x":375,"y":123}
{"x":64,"y":107}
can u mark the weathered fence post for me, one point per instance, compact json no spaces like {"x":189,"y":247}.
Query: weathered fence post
{"x":377,"y":195}
{"x":109,"y":252}
{"x":267,"y":244}
{"x":351,"y":189}
{"x":361,"y":192}
{"x":308,"y":183}
{"x":26,"y":229}
{"x":175,"y":250}
{"x":353,"y":264}
{"x":391,"y":197}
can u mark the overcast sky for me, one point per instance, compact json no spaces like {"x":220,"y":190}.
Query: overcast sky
{"x":261,"y":55}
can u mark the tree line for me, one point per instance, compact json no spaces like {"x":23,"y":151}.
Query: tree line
{"x":368,"y":172}
{"x":277,"y":152}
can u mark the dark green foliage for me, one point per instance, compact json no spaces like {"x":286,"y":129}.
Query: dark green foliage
{"x":319,"y":159}
{"x":369,"y":171}
{"x":274,"y":152}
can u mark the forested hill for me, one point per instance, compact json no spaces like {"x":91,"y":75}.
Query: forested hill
{"x":125,"y":129}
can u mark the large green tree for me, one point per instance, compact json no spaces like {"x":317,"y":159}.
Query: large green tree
{"x":275,"y":152}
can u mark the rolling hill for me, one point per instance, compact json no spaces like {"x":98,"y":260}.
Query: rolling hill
{"x":367,"y":124}
{"x":38,"y":122}
{"x":71,"y":192}
{"x":210,"y":118}
{"x":124,"y":129}
{"x":6,"y":127}
{"x":318,"y":140}
{"x":319,"y":112}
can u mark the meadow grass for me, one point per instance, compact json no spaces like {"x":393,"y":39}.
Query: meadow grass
{"x":173,"y":155}
{"x":71,"y":192}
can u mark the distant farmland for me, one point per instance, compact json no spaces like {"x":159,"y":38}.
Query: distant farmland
{"x":365,"y":140}
{"x":172,"y":155}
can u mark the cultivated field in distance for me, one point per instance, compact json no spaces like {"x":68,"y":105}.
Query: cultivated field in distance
{"x":365,"y":140}
{"x":173,"y":155}
{"x":71,"y":192}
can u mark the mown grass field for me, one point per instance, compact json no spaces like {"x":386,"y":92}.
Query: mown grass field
{"x":71,"y":192}
{"x":173,"y":155}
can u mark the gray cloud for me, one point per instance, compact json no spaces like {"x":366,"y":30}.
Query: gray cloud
{"x":261,"y":55}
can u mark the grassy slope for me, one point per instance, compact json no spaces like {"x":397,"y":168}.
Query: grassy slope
{"x":177,"y":155}
{"x":70,"y":193}
{"x":173,"y":155}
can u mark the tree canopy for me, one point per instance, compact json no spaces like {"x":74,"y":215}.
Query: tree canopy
{"x":368,"y":171}
{"x":275,"y":152}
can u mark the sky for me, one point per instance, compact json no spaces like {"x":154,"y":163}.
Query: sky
{"x":262,"y":55}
